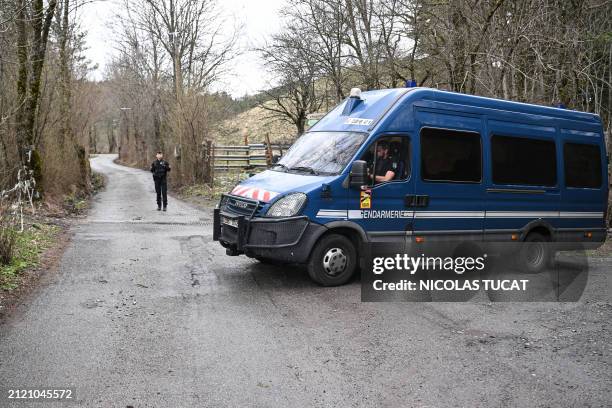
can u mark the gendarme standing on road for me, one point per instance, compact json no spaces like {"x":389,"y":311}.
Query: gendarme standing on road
{"x":160,"y":169}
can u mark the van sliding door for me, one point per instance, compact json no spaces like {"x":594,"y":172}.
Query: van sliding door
{"x":449,"y":193}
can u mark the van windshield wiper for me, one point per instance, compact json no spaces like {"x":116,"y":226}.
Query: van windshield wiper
{"x":281,"y":165}
{"x":305,"y":168}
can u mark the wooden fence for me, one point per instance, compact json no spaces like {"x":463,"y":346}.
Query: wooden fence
{"x":249,"y":157}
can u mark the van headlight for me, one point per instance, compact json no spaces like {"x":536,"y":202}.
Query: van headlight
{"x":287,"y":206}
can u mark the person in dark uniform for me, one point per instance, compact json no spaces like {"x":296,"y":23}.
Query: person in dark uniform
{"x":160,"y":169}
{"x":385,"y":166}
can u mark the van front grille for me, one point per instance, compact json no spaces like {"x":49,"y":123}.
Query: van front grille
{"x":239,"y":205}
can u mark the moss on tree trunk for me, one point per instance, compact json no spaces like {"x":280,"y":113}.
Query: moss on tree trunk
{"x":36,"y":167}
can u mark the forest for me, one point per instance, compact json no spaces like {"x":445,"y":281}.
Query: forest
{"x":158,"y":90}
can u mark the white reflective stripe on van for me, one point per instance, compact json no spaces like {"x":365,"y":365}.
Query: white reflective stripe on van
{"x":522,"y":214}
{"x":544,"y":214}
{"x":355,"y":214}
{"x":449,"y":214}
{"x":358,"y":214}
{"x":586,"y":214}
{"x":331,"y":214}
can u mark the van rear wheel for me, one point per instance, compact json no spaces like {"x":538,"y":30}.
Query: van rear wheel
{"x":535,"y":253}
{"x":333,"y":260}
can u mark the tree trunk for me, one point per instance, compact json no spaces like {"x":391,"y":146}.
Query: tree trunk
{"x":65,"y":126}
{"x":22,"y":79}
{"x":31,"y":57}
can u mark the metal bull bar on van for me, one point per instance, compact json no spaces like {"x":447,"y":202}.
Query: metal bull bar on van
{"x":239,"y":229}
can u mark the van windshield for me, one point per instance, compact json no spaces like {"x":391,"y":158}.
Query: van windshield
{"x":321,"y":153}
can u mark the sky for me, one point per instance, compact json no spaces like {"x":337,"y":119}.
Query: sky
{"x":260,"y":19}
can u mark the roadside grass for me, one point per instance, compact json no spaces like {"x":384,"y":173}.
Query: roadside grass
{"x":77,"y":203}
{"x":98,"y":181}
{"x":22,"y":252}
{"x":28,"y":248}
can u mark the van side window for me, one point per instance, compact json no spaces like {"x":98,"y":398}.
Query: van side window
{"x":518,"y":160}
{"x":582,"y":165}
{"x":450,"y":155}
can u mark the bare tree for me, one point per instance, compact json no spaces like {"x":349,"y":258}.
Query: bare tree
{"x":33,"y":23}
{"x":171,"y":51}
{"x":322,"y":22}
{"x":289,"y":57}
{"x":192,"y":33}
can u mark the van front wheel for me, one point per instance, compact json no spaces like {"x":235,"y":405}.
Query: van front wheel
{"x":333,"y":261}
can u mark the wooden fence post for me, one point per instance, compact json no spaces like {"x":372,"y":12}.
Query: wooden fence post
{"x":269,"y":151}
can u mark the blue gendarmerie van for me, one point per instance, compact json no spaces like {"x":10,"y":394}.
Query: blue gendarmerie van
{"x":394,"y":169}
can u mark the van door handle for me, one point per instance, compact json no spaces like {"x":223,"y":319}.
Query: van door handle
{"x":412,"y":201}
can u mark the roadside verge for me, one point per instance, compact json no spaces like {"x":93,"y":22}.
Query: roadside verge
{"x":37,"y":250}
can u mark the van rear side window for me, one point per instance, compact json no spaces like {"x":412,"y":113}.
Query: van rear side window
{"x":523,"y":161}
{"x":582,"y":165}
{"x":450,"y":155}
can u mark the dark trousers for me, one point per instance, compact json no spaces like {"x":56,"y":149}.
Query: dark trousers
{"x":161,"y":189}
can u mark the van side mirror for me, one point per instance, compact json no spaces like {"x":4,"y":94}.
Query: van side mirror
{"x":359,"y":174}
{"x":276,"y":158}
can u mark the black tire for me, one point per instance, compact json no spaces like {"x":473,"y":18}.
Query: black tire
{"x":333,"y":260}
{"x":535,"y":254}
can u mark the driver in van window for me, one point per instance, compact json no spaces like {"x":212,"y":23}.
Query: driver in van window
{"x":385,"y":166}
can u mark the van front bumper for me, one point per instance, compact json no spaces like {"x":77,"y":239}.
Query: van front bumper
{"x":284,"y":239}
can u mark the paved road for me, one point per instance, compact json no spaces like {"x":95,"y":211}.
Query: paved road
{"x":146,"y":311}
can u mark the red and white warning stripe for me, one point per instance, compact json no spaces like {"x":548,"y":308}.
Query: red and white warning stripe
{"x":255,"y":193}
